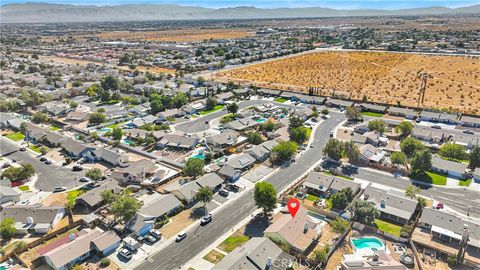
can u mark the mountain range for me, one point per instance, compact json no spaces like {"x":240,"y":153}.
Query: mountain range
{"x":46,"y":13}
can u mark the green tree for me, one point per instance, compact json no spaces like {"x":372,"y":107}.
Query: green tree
{"x":268,"y":126}
{"x":284,"y":151}
{"x":107,"y":196}
{"x":232,"y":108}
{"x":411,"y":191}
{"x":117,"y":133}
{"x":254,"y":138}
{"x":156,"y":106}
{"x":40,"y":117}
{"x":210,"y":103}
{"x":96,"y":118}
{"x":353,"y":114}
{"x":109,"y":83}
{"x":295,"y":122}
{"x":194,"y":167}
{"x":7,"y":228}
{"x":23,"y":172}
{"x":299,"y":134}
{"x":404,"y":128}
{"x":124,"y":207}
{"x":377,"y":125}
{"x":265,"y":197}
{"x":95,"y":174}
{"x":325,"y":111}
{"x":43,"y":150}
{"x":453,"y":152}
{"x":179,"y":100}
{"x":421,"y":162}
{"x":92,"y":90}
{"x":398,"y":158}
{"x":474,"y":161}
{"x":364,"y":211}
{"x":32,"y":98}
{"x":411,"y":145}
{"x":352,"y":151}
{"x":200,"y":80}
{"x":339,"y":225}
{"x":204,"y":195}
{"x":321,"y":255}
{"x":70,"y":204}
{"x":333,"y":149}
{"x":342,"y":198}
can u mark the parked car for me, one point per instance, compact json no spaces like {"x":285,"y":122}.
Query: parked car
{"x":206,"y":219}
{"x":125,"y":253}
{"x":150,"y":238}
{"x":436,"y":127}
{"x":59,"y":189}
{"x":156,"y":233}
{"x":331,"y":133}
{"x":180,"y":237}
{"x":468,"y":131}
{"x":23,"y":149}
{"x":77,"y":168}
{"x":85,"y":179}
{"x":206,"y":122}
{"x":43,"y":159}
{"x":6,"y":165}
{"x":223,"y":192}
{"x":48,"y":162}
{"x":439,"y":206}
{"x":25,"y":202}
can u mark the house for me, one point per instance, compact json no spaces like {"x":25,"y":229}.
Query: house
{"x":370,"y":137}
{"x":54,"y":139}
{"x":392,"y":204}
{"x":339,"y":183}
{"x":317,"y":183}
{"x":184,"y":191}
{"x":338,"y":103}
{"x":429,"y":116}
{"x":8,"y":194}
{"x":81,"y":247}
{"x":223,"y":140}
{"x":135,"y":172}
{"x":448,"y":118}
{"x":259,"y":253}
{"x":301,"y":233}
{"x":262,"y":151}
{"x":367,"y":107}
{"x":369,"y":154}
{"x":210,"y":180}
{"x":465,"y":139}
{"x":15,"y":123}
{"x":92,"y":199}
{"x":402,"y":112}
{"x":311,"y":99}
{"x":382,"y":261}
{"x":451,"y":228}
{"x":154,"y":208}
{"x":269,"y":92}
{"x":470,"y":121}
{"x":241,"y":162}
{"x":77,"y":116}
{"x":77,"y":149}
{"x":229,"y":173}
{"x":225,"y":96}
{"x":428,"y":134}
{"x":178,"y":141}
{"x":112,"y":156}
{"x":242,"y":124}
{"x":172,"y":113}
{"x":33,"y":218}
{"x":452,"y":168}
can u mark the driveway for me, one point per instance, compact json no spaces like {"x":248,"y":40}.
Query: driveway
{"x":49,"y":176}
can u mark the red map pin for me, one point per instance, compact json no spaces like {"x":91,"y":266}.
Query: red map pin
{"x":293,"y":205}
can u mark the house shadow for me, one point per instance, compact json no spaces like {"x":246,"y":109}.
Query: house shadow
{"x":257,"y":226}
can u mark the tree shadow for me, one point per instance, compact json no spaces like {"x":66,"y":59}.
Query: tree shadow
{"x":197,"y":213}
{"x":257,"y":226}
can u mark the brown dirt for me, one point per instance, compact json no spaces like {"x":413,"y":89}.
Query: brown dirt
{"x":183,"y":35}
{"x":383,"y":77}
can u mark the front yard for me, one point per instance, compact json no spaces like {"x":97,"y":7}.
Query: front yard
{"x":214,"y":257}
{"x":372,"y":114}
{"x":465,"y":182}
{"x":16,"y":136}
{"x":387,"y":227}
{"x":233,"y":241}
{"x":36,"y":148}
{"x":216,"y":108}
{"x":431,"y":178}
{"x":280,"y":100}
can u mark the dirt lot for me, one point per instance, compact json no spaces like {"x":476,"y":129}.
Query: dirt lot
{"x":180,"y":35}
{"x":382,"y":77}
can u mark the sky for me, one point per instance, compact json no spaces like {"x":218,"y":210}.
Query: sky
{"x":336,"y":4}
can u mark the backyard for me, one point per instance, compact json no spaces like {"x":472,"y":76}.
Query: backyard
{"x":16,"y":136}
{"x":387,"y":227}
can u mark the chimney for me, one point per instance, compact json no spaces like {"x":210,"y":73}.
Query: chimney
{"x":305,"y":227}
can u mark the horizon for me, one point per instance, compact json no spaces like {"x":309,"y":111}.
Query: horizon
{"x":269,"y":4}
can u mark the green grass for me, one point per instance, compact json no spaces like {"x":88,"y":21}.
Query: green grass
{"x":387,"y":227}
{"x":279,"y":99}
{"x":55,"y":128}
{"x":232,"y":242}
{"x":431,"y":178}
{"x":36,"y":148}
{"x":373,"y":114}
{"x":312,"y":198}
{"x":24,"y":188}
{"x":340,"y":176}
{"x":17,"y":136}
{"x":465,"y":182}
{"x":112,"y":126}
{"x":216,"y":108}
{"x":75,"y":193}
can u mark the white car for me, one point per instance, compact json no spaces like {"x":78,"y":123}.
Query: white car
{"x":59,"y":189}
{"x":181,"y":236}
{"x":206,"y":219}
{"x":156,"y":233}
{"x":125,"y":253}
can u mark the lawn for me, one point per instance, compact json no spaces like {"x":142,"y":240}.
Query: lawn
{"x":24,"y":188}
{"x":17,"y":136}
{"x":75,"y":193}
{"x":372,"y":114}
{"x":281,"y":100}
{"x":465,"y":182}
{"x":36,"y":148}
{"x":431,"y":178}
{"x":312,"y":198}
{"x":232,"y":242}
{"x":341,"y":176}
{"x":387,"y":227}
{"x":216,"y":108}
{"x":54,"y":128}
{"x":112,"y":126}
{"x":214,"y":257}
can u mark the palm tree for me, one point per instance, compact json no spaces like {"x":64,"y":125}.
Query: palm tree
{"x":204,"y":195}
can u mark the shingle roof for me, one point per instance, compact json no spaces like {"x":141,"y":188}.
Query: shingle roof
{"x":210,"y":180}
{"x":390,"y":202}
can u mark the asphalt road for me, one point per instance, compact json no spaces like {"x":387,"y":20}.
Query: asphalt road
{"x":200,"y":125}
{"x":49,"y":176}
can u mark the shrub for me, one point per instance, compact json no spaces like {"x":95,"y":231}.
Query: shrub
{"x":105,"y":262}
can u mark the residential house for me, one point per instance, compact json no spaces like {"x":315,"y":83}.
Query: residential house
{"x":465,"y":139}
{"x":172,"y":113}
{"x":54,"y":139}
{"x":269,"y":92}
{"x":78,"y":149}
{"x":229,"y":173}
{"x":33,"y":218}
{"x":92,"y":199}
{"x":241,"y":162}
{"x":393,"y":205}
{"x":135,"y":172}
{"x":184,"y":191}
{"x":369,"y":154}
{"x":317,"y":183}
{"x":403,"y":112}
{"x":429,"y":116}
{"x":312,"y":99}
{"x":81,"y":247}
{"x":332,"y":102}
{"x":368,"y":107}
{"x":448,"y":118}
{"x":242,"y":124}
{"x":224,"y":96}
{"x":428,"y":134}
{"x":154,"y":208}
{"x":210,"y":180}
{"x":370,"y":137}
{"x":178,"y":141}
{"x":112,"y":156}
{"x":8,"y":194}
{"x":77,"y":116}
{"x":382,"y":261}
{"x":259,"y":253}
{"x":301,"y":233}
{"x":452,"y":168}
{"x":470,"y":121}
{"x":339,"y":184}
{"x":262,"y":151}
{"x":226,"y":139}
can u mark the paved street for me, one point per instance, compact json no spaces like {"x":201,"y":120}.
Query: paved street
{"x":177,"y":254}
{"x":49,"y":176}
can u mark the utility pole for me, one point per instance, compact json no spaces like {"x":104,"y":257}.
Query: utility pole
{"x":423,"y":76}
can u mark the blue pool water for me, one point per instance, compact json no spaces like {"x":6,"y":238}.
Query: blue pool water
{"x":127,"y":141}
{"x":104,"y":129}
{"x":261,"y":120}
{"x":368,"y":242}
{"x":199,"y":156}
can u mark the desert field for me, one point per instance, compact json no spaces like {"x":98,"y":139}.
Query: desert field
{"x":180,"y":35}
{"x":383,"y":77}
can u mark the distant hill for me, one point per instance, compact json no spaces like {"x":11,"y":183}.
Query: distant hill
{"x":41,"y":12}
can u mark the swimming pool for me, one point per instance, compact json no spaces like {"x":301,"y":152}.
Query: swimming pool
{"x":105,"y":129}
{"x":261,"y":120}
{"x":127,"y":141}
{"x":367,"y":246}
{"x":199,"y":156}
